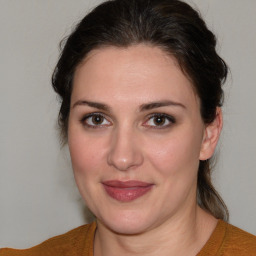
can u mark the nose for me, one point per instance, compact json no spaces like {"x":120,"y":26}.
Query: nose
{"x":124,"y":153}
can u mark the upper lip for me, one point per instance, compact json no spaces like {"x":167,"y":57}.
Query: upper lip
{"x":126,"y":184}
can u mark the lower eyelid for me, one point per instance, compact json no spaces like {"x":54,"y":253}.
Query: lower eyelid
{"x":170,"y":119}
{"x":84,"y":118}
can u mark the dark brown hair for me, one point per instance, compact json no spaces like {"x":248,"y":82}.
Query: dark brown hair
{"x":171,"y":25}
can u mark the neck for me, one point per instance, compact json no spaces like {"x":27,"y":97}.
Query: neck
{"x":183,"y":235}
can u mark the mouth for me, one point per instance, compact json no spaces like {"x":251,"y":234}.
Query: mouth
{"x":126,"y":191}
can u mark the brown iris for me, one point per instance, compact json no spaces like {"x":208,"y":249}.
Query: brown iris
{"x":159,"y":120}
{"x":97,"y":119}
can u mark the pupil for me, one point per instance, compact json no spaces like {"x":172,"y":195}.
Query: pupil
{"x":159,"y":120}
{"x":97,"y":119}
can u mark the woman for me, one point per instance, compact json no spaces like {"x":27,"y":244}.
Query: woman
{"x":140,"y":83}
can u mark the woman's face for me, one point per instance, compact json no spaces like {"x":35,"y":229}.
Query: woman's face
{"x":136,"y":137}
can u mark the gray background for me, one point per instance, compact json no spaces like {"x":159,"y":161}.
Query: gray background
{"x":38,"y":197}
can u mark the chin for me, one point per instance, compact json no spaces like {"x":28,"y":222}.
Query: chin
{"x":127,"y":223}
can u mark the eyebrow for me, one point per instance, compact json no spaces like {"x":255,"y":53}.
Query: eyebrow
{"x":143,"y":107}
{"x":97,"y":105}
{"x":164,"y":103}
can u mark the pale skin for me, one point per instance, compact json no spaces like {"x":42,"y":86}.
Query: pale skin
{"x":135,"y":116}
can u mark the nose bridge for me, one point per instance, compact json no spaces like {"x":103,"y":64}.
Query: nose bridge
{"x":124,"y":151}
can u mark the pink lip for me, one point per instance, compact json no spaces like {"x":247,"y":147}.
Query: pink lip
{"x":126,"y":191}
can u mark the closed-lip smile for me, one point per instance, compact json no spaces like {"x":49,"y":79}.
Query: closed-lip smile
{"x":126,"y":191}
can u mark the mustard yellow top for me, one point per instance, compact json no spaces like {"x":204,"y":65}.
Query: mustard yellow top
{"x":226,"y":240}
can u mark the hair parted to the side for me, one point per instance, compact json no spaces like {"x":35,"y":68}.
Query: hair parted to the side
{"x":178,"y":30}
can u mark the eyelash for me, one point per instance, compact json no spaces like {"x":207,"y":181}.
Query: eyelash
{"x":86,"y":117}
{"x":169,"y":118}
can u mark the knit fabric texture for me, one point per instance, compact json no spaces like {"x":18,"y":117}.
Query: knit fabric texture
{"x":226,"y":240}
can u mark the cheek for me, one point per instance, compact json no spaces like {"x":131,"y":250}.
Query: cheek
{"x":176,"y":162}
{"x":85,"y":153}
{"x":175,"y":156}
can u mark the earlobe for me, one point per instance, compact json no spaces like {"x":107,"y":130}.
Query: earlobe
{"x":211,"y":136}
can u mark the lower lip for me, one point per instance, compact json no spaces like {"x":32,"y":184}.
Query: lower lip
{"x":126,"y":194}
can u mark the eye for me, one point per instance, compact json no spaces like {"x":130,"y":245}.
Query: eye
{"x":95,"y":120}
{"x":160,"y":121}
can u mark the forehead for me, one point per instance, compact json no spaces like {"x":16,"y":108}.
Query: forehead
{"x":136,"y":73}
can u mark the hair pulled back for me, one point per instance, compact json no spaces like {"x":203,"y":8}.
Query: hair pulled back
{"x":177,"y":29}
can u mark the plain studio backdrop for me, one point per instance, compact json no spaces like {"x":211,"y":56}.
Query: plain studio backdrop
{"x":38,"y":197}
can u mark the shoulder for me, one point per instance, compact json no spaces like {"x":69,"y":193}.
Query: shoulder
{"x":238,"y":241}
{"x":228,"y":240}
{"x":70,"y":243}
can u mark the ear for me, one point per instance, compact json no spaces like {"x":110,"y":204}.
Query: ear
{"x":211,"y":136}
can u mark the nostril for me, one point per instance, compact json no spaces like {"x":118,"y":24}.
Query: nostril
{"x":120,"y":163}
{"x":124,"y":152}
{"x":125,"y":160}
